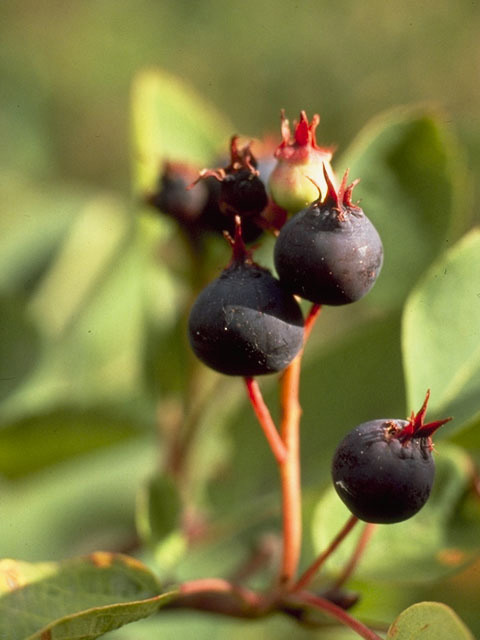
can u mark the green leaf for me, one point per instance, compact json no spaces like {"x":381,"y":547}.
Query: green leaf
{"x":80,"y":598}
{"x":413,"y":189}
{"x":441,"y":335}
{"x":33,"y":222}
{"x":19,"y":344}
{"x":39,"y":440}
{"x":158,"y":517}
{"x":198,"y":626}
{"x":158,"y":508}
{"x":169,"y":121}
{"x":428,"y":621}
{"x":76,"y":506}
{"x":440,"y":539}
{"x":90,"y":309}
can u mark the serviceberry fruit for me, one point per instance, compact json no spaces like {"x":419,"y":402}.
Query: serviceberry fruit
{"x":383,"y":470}
{"x":213,"y":219}
{"x":299,"y":160}
{"x":242,"y":192}
{"x":196,"y":210}
{"x":173,"y":198}
{"x":244,"y":323}
{"x":329,"y":253}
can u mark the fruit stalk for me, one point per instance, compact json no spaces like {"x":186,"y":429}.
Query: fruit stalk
{"x":290,"y":467}
{"x":265,"y":419}
{"x":290,"y":472}
{"x":309,"y":574}
{"x":358,"y":552}
{"x":338,"y":613}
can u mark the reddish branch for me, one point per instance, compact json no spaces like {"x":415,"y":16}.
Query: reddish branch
{"x":322,"y":604}
{"x":290,"y":468}
{"x":265,"y":419}
{"x":358,"y":552}
{"x":309,"y":574}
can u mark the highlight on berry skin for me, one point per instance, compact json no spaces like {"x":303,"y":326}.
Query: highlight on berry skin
{"x":383,"y":470}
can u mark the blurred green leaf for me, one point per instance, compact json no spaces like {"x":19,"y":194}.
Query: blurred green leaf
{"x":441,"y":335}
{"x":80,"y":598}
{"x":158,"y":508}
{"x":35,"y":441}
{"x":169,"y":121}
{"x":33,"y":222}
{"x":198,"y":626}
{"x":87,"y":252}
{"x":441,"y":538}
{"x":413,"y":188}
{"x":158,"y":517}
{"x":90,"y":310}
{"x":428,"y":621}
{"x":19,"y":344}
{"x":76,"y":506}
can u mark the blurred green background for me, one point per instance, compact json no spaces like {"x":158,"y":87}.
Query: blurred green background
{"x":67,"y":67}
{"x":84,"y":300}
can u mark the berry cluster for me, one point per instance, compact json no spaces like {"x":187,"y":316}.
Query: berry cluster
{"x":249,"y":323}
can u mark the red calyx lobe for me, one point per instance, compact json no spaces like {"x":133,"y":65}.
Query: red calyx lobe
{"x":415,"y":428}
{"x":240,"y":158}
{"x":297,"y":147}
{"x":340,"y":199}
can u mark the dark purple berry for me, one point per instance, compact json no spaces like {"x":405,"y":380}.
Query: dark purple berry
{"x":173,"y":198}
{"x":383,"y":470}
{"x":244,"y":323}
{"x":213,"y":219}
{"x":243,"y":192}
{"x":329,"y":253}
{"x":196,"y":209}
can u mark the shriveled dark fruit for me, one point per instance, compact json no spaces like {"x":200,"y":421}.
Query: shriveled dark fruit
{"x":196,"y":209}
{"x":173,"y":198}
{"x":383,"y":470}
{"x":244,"y":323}
{"x":242,"y":192}
{"x":212,"y":218}
{"x":329,"y":253}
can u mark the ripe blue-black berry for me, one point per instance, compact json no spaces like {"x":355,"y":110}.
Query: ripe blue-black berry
{"x":383,"y":470}
{"x":244,"y":323}
{"x":329,"y":253}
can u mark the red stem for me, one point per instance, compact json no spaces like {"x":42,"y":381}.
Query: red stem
{"x":265,"y":419}
{"x":309,"y":574}
{"x":290,"y":467}
{"x":219,"y":585}
{"x":358,"y":552}
{"x":340,"y":614}
{"x":310,"y":320}
{"x":290,"y":472}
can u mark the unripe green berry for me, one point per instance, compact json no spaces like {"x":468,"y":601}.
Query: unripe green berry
{"x":299,"y":161}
